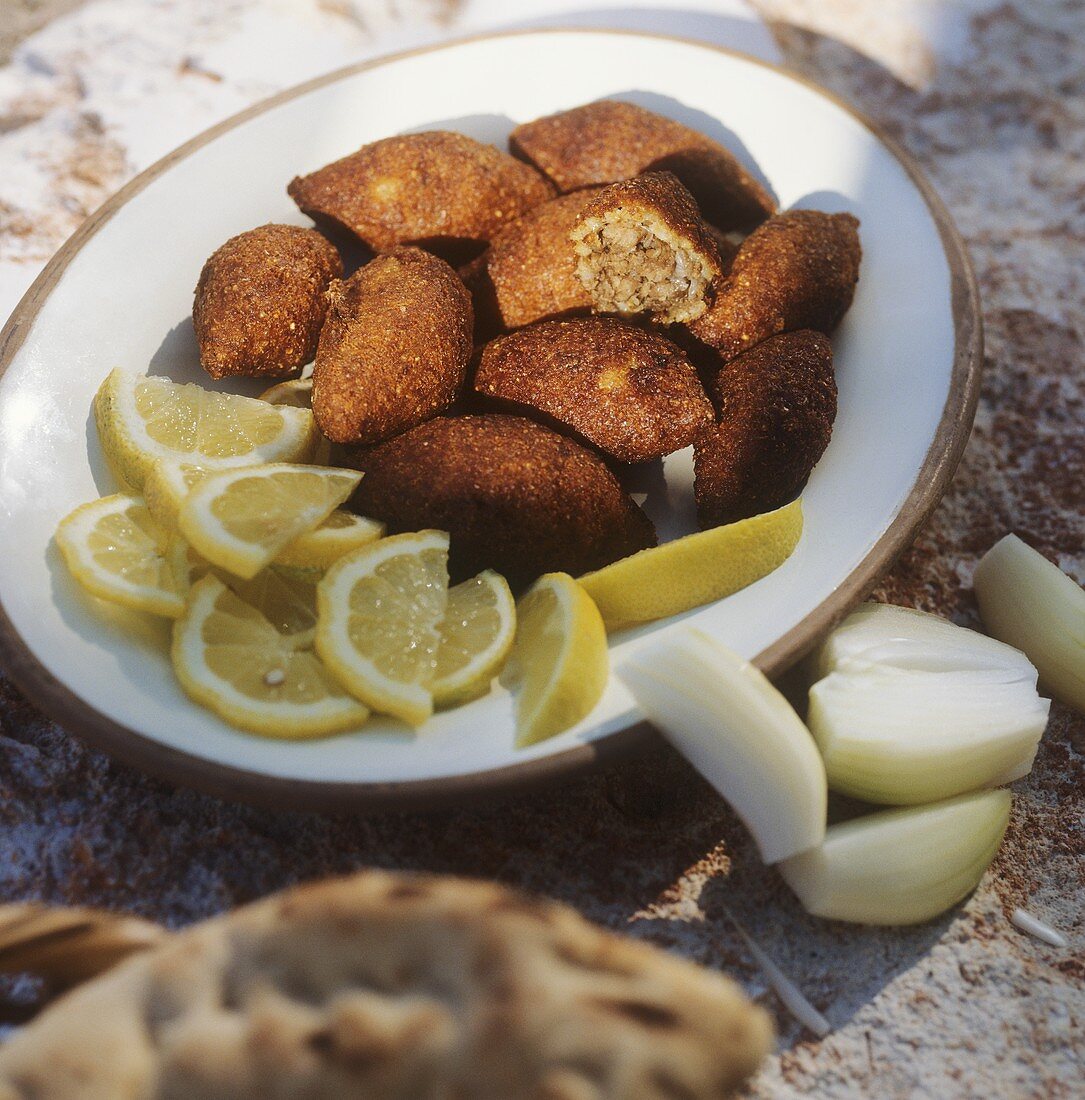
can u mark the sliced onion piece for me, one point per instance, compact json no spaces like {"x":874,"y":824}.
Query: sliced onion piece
{"x":901,"y":866}
{"x":906,"y":638}
{"x":739,"y":732}
{"x":913,"y":709}
{"x":1032,"y":604}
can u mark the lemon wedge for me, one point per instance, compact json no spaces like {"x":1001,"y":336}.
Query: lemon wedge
{"x":168,"y":483}
{"x":339,"y":534}
{"x":232,"y":660}
{"x":240,"y":519}
{"x":143,"y":418}
{"x":559,"y":662}
{"x":476,"y":636}
{"x":694,"y":570}
{"x":115,"y":550}
{"x":296,"y":392}
{"x":379,"y":613}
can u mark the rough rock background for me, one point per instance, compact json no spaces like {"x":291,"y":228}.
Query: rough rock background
{"x":990,"y":97}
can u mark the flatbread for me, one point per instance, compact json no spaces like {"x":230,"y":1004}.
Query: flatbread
{"x":394,"y":986}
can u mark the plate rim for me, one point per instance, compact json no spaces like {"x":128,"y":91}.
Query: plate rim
{"x":135,"y":749}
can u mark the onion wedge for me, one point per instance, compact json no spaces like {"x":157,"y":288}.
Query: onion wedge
{"x":913,"y":709}
{"x":1030,"y":603}
{"x":901,"y":866}
{"x":739,"y":732}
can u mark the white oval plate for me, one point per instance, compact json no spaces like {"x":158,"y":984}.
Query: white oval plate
{"x":120,"y":292}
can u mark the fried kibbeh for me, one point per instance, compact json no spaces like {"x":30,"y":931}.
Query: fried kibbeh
{"x":260,"y":301}
{"x":798,"y":270}
{"x":513,"y":496}
{"x":777,"y":404}
{"x":609,"y":140}
{"x":529,"y":271}
{"x":394,"y":348}
{"x":641,"y":247}
{"x":439,"y":190}
{"x":628,"y":392}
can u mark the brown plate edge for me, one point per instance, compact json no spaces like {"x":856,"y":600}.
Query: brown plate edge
{"x":223,"y":781}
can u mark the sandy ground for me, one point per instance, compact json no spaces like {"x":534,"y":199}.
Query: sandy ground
{"x":18,"y":18}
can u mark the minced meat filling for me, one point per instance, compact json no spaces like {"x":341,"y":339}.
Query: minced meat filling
{"x":635,"y":264}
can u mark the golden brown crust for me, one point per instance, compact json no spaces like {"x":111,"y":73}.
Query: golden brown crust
{"x":514,"y":496}
{"x":777,"y":404}
{"x":440,"y":190}
{"x":642,"y":247}
{"x":609,"y":140}
{"x":629,"y":392}
{"x":259,"y":303}
{"x":394,"y":349}
{"x":798,"y":270}
{"x":529,"y":271}
{"x":395,"y":986}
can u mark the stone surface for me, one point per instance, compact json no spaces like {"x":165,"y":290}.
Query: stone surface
{"x":991,"y":100}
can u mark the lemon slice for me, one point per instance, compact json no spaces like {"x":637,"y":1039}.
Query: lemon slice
{"x":339,"y":534}
{"x":559,"y":662}
{"x":229,"y":658}
{"x":142,"y":418}
{"x":116,"y":550}
{"x":241,"y":519}
{"x":694,"y":570}
{"x":285,"y":598}
{"x":168,"y":483}
{"x":476,"y":636}
{"x":296,"y":392}
{"x":379,"y":611}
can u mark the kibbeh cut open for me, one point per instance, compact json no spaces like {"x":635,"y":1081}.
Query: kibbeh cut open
{"x":260,"y":301}
{"x":394,"y":348}
{"x":610,"y":140}
{"x":642,"y":247}
{"x":777,"y":404}
{"x":628,"y":392}
{"x":440,"y":190}
{"x":798,"y":270}
{"x":513,"y":496}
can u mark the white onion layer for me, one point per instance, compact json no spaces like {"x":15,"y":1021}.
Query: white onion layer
{"x":912,"y":708}
{"x":739,"y":732}
{"x":901,"y":866}
{"x":1032,"y":604}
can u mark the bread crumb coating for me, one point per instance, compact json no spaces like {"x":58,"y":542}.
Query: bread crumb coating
{"x":628,"y":392}
{"x":260,"y":301}
{"x":777,"y":404}
{"x":394,"y":349}
{"x":439,"y":190}
{"x":529,"y":271}
{"x":610,"y":140}
{"x":513,"y":496}
{"x":798,"y":270}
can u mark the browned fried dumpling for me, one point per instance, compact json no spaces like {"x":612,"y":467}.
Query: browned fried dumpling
{"x":798,"y":270}
{"x":777,"y":404}
{"x":260,"y":301}
{"x":513,"y":496}
{"x":394,"y":348}
{"x":440,"y":190}
{"x":609,"y":140}
{"x":642,"y":247}
{"x":529,"y":270}
{"x":629,"y":392}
